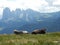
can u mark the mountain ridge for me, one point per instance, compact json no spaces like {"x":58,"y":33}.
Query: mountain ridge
{"x":28,"y":20}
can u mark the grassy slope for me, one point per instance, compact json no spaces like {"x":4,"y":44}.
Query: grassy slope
{"x":29,"y":39}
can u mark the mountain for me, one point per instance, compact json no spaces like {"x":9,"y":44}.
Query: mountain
{"x":28,"y":20}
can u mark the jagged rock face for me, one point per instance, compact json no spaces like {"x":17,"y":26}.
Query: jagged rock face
{"x":28,"y":20}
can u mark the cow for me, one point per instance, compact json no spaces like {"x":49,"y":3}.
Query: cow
{"x":18,"y":32}
{"x":39,"y":31}
{"x":25,"y":32}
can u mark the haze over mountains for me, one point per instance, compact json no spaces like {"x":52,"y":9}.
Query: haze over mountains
{"x":28,"y":20}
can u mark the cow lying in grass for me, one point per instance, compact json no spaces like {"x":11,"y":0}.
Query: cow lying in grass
{"x":20,"y":32}
{"x":38,"y":31}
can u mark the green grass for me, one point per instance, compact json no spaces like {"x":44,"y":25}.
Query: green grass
{"x":30,"y":39}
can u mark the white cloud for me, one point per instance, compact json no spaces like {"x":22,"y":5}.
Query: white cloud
{"x":57,"y":3}
{"x":23,"y":4}
{"x":50,"y":9}
{"x":50,"y":2}
{"x":38,"y":5}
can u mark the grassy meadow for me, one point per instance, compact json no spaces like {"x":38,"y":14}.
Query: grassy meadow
{"x":30,"y":39}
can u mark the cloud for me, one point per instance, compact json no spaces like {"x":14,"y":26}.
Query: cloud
{"x":11,"y":0}
{"x":57,"y":3}
{"x":50,"y":9}
{"x":23,"y":4}
{"x":38,"y":5}
{"x":50,"y":2}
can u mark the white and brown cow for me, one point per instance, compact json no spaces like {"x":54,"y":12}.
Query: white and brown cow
{"x":20,"y":32}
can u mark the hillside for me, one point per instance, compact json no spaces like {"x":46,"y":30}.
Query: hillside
{"x":30,"y":39}
{"x":28,"y":20}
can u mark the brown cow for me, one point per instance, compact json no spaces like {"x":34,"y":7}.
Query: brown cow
{"x":38,"y":31}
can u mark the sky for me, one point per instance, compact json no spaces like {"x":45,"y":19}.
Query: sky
{"x":44,"y":6}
